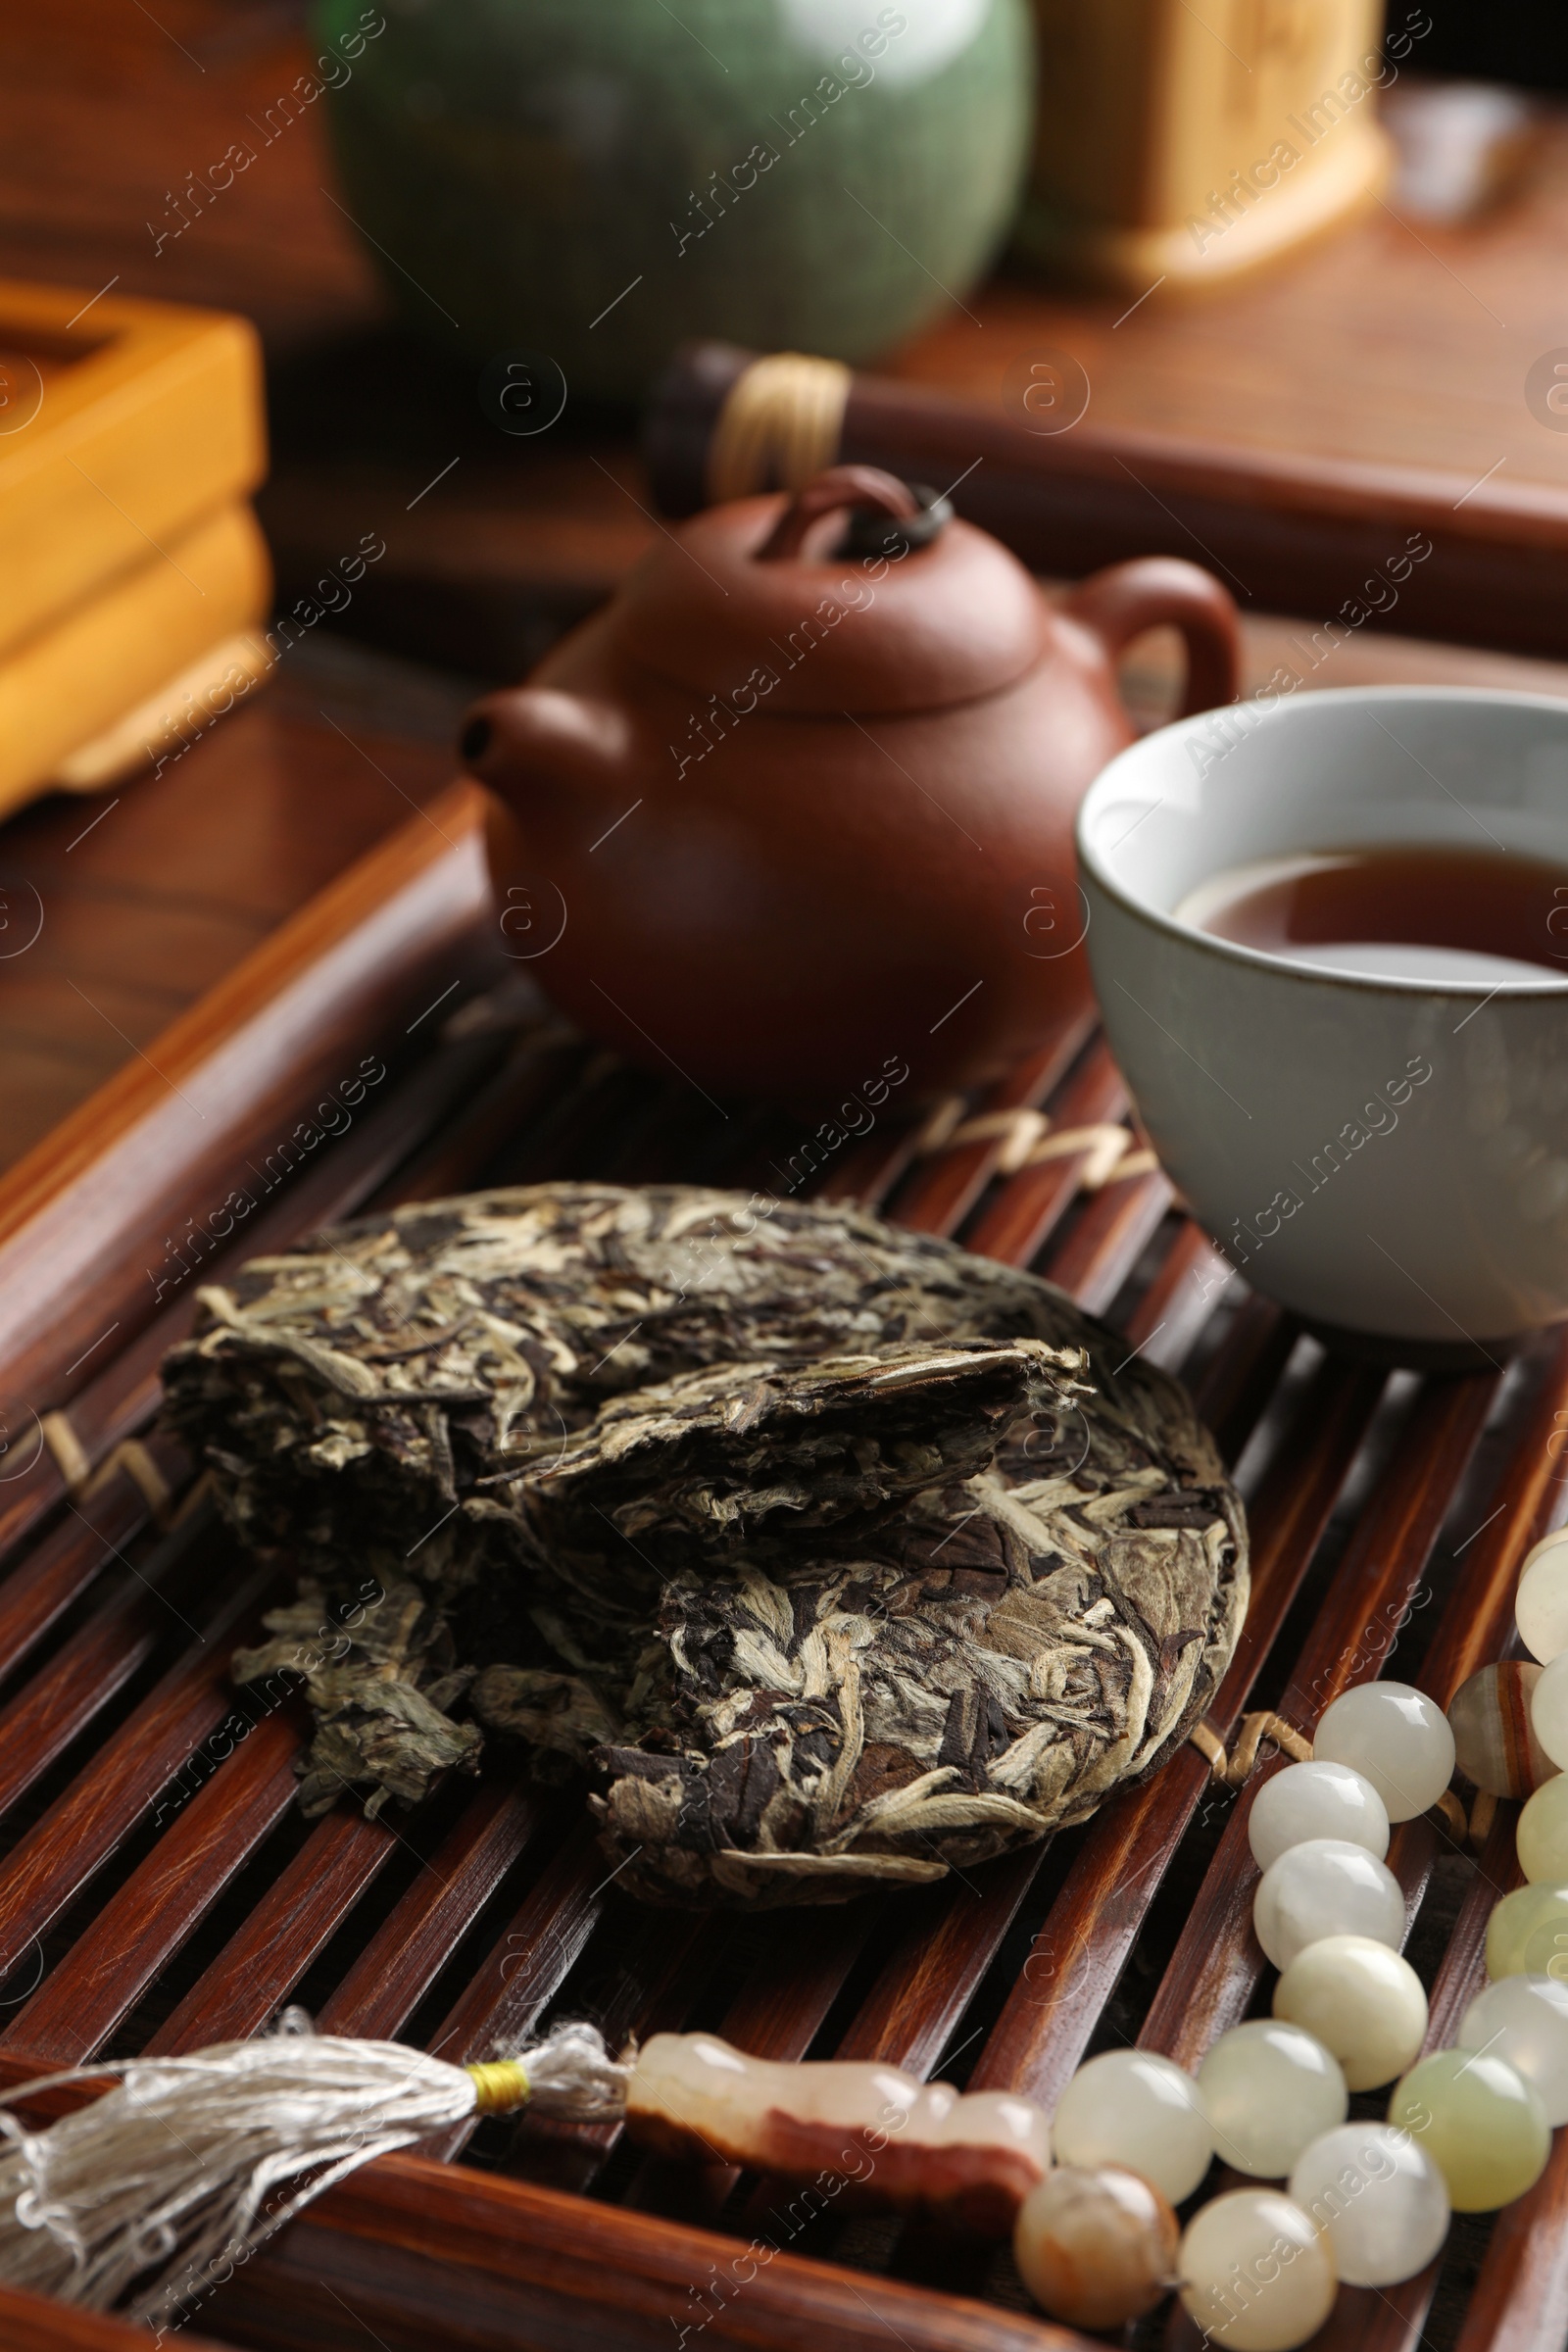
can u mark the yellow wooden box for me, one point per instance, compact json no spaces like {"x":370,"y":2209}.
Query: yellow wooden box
{"x":82,"y":702}
{"x":1188,"y":139}
{"x":131,"y":434}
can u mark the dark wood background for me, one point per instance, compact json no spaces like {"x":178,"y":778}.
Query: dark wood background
{"x":1394,"y":342}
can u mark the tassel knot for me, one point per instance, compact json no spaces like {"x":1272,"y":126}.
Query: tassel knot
{"x":499,"y":2085}
{"x":187,"y":2164}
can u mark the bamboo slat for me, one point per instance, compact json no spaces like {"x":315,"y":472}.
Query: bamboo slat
{"x":138,"y":1849}
{"x":1217,"y":1963}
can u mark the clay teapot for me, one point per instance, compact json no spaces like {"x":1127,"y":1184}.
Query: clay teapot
{"x":797,"y":806}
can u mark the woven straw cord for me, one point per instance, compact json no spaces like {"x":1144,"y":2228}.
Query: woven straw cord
{"x":1027,"y":1141}
{"x":1482,"y":1813}
{"x":779,"y":426}
{"x":131,"y":1455}
{"x":1232,"y":1770}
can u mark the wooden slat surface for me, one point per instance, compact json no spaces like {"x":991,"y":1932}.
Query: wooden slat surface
{"x":1079,"y":1954}
{"x":86,"y":1538}
{"x":509,"y":1879}
{"x":940,"y":1195}
{"x":118,"y":1400}
{"x":403,"y":1959}
{"x":55,"y":1859}
{"x":147,"y":1920}
{"x":305,"y":1904}
{"x":1215,"y":1966}
{"x":96,"y":1661}
{"x":1027,"y":1211}
{"x":1107,"y":1239}
{"x":1532,"y":1501}
{"x":32,"y":2324}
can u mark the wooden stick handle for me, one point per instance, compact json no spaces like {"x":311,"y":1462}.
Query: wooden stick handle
{"x":1414,"y":548}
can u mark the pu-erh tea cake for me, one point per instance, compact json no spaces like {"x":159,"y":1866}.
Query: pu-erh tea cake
{"x":835,"y":1555}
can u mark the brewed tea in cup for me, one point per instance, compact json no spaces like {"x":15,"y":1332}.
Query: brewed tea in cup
{"x":1400,"y":910}
{"x":1330,"y":942}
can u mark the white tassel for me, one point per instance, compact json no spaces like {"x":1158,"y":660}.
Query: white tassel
{"x":191,"y":2162}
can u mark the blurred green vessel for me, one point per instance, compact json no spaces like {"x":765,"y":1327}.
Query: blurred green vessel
{"x":600,"y":179}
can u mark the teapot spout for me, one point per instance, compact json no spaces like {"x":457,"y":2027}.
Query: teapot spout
{"x":533,"y":742}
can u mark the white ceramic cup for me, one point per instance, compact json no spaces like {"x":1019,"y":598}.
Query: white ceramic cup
{"x":1387,"y":1157}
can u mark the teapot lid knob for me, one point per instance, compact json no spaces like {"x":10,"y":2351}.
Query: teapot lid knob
{"x":870,"y":534}
{"x":887,"y":516}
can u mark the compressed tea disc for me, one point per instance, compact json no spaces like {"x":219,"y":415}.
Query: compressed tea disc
{"x":841,"y":1556}
{"x":1494,"y":1742}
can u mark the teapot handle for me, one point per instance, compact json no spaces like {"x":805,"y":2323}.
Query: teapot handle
{"x":1117,"y":605}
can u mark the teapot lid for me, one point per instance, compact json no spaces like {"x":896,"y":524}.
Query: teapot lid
{"x":905,"y":609}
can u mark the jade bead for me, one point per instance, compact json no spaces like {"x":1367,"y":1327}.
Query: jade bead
{"x":1137,"y":2110}
{"x":1540,"y":1837}
{"x":1549,"y":1709}
{"x":1541,"y":1603}
{"x":1095,"y":2249}
{"x":1395,"y":1737}
{"x":1364,"y":2003}
{"x":1315,"y":1800}
{"x":1326,"y":1888}
{"x":1256,"y":2274}
{"x":1479,"y":2122}
{"x":1495,"y":1742}
{"x":1381,"y":2200}
{"x":1527,"y":1934}
{"x":1523,"y":2021}
{"x":1269,"y":2089}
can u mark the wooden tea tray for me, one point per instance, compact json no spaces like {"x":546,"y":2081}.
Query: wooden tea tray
{"x":159,"y":1890}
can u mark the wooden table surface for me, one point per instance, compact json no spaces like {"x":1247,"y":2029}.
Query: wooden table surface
{"x":135,"y":903}
{"x":1392,"y":341}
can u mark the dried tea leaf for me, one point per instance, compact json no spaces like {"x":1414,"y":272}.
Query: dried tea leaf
{"x":746,"y":1451}
{"x":761,"y":1461}
{"x":842,"y":1557}
{"x":375,"y":1723}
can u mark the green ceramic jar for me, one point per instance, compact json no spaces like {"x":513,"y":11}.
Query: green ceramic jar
{"x":600,"y":179}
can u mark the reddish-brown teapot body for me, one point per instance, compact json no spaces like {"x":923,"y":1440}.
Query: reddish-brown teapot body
{"x":797,"y":808}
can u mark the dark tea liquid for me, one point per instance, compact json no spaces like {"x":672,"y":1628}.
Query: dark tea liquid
{"x":1403,"y":911}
